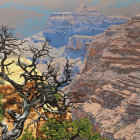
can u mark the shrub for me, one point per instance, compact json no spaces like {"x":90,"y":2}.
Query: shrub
{"x":1,"y":108}
{"x":66,"y":130}
{"x":27,"y":135}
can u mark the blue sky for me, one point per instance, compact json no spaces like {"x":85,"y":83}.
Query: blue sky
{"x":28,"y":17}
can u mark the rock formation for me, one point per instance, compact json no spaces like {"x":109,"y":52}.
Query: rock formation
{"x":70,"y":34}
{"x":83,"y":21}
{"x":77,"y":42}
{"x":110,"y":83}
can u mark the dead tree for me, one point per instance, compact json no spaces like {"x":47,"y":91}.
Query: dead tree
{"x":45,"y":86}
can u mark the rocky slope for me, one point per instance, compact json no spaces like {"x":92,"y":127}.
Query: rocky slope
{"x":110,"y":83}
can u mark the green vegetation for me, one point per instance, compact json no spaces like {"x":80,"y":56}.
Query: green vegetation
{"x":27,"y":135}
{"x":39,"y":93}
{"x":66,"y":130}
{"x":1,"y":108}
{"x":58,"y":97}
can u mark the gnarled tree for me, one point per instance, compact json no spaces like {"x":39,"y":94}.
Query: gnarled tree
{"x":44,"y":88}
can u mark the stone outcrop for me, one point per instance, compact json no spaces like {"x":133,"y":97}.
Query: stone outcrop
{"x":77,"y":42}
{"x":110,"y":83}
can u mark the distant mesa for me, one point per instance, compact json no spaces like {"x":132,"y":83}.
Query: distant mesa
{"x":71,"y":32}
{"x":82,"y":21}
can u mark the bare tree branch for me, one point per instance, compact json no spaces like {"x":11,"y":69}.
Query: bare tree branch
{"x":44,"y":86}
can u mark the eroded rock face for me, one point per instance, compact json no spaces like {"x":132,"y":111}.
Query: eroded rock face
{"x":110,"y":82}
{"x":78,"y":42}
{"x":83,"y":21}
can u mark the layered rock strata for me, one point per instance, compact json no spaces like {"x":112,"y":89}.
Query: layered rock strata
{"x":110,"y":83}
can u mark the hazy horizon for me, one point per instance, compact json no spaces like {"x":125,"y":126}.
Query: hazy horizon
{"x":28,"y":17}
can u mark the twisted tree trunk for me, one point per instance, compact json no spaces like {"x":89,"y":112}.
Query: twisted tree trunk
{"x":18,"y":124}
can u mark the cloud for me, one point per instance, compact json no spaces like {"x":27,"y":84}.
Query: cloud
{"x":107,"y":6}
{"x":20,"y":10}
{"x":125,"y":11}
{"x":29,"y":16}
{"x":101,"y":4}
{"x":13,"y":17}
{"x":126,"y":8}
{"x":48,"y":4}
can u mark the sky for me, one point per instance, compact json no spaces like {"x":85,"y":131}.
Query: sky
{"x":28,"y":17}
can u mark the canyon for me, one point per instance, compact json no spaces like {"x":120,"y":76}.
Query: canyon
{"x":82,"y":21}
{"x":107,"y":68}
{"x":71,"y":32}
{"x":110,"y":82}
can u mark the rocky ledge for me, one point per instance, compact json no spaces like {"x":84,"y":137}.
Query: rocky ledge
{"x":110,"y":83}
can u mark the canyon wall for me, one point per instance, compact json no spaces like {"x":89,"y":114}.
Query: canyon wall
{"x":110,"y":83}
